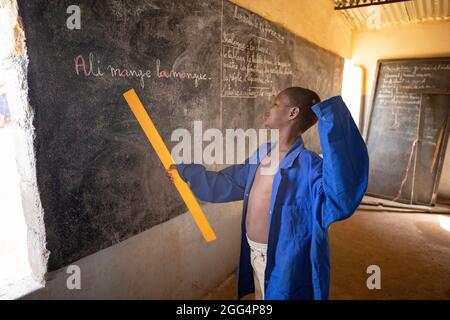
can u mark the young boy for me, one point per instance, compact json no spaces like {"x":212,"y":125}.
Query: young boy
{"x":286,"y":214}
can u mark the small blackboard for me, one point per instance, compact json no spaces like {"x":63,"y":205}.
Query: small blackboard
{"x":408,"y":129}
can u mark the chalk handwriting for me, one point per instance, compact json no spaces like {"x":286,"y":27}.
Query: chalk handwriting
{"x":250,"y":69}
{"x":126,"y":73}
{"x":196,"y":77}
{"x":257,"y":22}
{"x":93,"y":68}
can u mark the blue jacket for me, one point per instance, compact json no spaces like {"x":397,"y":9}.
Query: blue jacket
{"x":308,"y":194}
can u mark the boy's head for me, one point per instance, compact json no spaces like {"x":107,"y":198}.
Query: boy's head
{"x":292,"y":108}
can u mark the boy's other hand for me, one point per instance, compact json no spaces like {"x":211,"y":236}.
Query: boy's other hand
{"x":169,"y":172}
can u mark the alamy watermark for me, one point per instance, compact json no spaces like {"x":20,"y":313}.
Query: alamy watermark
{"x":374,"y":280}
{"x":74,"y":20}
{"x":190,"y":149}
{"x":73,"y":281}
{"x":373,"y":17}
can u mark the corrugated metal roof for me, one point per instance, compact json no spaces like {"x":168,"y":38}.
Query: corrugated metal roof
{"x":414,"y":11}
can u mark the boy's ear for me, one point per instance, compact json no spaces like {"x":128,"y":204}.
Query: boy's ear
{"x":294,"y":113}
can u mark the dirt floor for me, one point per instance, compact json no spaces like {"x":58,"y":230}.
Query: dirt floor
{"x":411,"y":249}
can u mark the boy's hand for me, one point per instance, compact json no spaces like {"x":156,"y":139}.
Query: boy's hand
{"x":170,"y":171}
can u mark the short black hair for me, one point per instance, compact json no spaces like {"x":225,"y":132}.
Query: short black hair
{"x":304,"y":99}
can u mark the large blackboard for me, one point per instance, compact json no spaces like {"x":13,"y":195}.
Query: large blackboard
{"x":99,"y":180}
{"x":408,"y":129}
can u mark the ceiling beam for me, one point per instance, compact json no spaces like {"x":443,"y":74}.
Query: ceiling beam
{"x":350,"y":4}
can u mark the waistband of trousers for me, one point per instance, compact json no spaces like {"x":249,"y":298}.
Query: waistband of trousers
{"x":262,"y":247}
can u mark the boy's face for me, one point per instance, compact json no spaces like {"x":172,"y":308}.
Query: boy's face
{"x":279,"y":113}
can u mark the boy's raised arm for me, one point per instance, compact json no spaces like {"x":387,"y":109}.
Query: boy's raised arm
{"x":342,"y":179}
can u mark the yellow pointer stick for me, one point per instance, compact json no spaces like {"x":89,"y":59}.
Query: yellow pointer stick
{"x":156,"y":141}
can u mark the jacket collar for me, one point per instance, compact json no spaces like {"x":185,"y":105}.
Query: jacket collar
{"x":292,"y":154}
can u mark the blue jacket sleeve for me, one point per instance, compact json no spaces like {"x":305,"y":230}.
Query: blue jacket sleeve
{"x":340,"y":182}
{"x":222,"y":186}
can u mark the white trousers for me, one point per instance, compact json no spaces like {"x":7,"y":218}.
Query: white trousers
{"x":258,"y":257}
